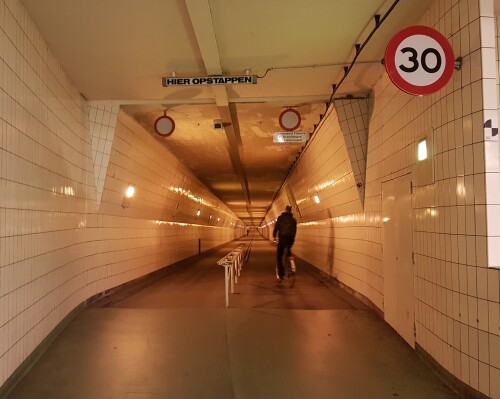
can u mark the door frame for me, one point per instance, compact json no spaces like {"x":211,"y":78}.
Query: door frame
{"x":396,"y":284}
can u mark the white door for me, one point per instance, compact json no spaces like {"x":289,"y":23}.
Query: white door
{"x":398,"y":257}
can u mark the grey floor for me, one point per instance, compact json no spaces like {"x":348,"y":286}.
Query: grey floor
{"x":175,"y":339}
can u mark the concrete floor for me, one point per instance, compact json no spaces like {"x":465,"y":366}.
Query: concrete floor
{"x":175,"y":339}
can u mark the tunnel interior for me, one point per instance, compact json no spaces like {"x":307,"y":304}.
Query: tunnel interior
{"x":79,"y":117}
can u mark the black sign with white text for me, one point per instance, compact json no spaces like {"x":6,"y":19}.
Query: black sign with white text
{"x":209,"y":80}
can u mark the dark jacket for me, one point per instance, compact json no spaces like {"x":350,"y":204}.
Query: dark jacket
{"x":286,"y":228}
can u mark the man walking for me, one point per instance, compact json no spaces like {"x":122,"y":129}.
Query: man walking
{"x":285,"y":228}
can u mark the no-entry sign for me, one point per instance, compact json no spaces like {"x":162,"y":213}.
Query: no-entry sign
{"x":289,"y":119}
{"x":419,"y":60}
{"x":164,"y":125}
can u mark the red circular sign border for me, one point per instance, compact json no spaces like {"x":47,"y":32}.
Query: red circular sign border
{"x":171,"y":121}
{"x":298,"y":122}
{"x":390,"y":65}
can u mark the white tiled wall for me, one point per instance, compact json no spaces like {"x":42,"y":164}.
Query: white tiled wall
{"x":353,"y":118}
{"x":102,"y":124}
{"x":455,"y":219}
{"x":159,"y":225}
{"x":56,"y":250}
{"x":345,"y":239}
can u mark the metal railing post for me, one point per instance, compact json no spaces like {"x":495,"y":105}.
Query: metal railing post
{"x":231,"y":276}
{"x":226,"y":273}
{"x":233,"y":263}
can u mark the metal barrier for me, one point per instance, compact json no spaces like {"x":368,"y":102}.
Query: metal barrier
{"x":233,"y":263}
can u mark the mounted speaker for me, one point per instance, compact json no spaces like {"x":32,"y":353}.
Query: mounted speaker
{"x":218,"y":124}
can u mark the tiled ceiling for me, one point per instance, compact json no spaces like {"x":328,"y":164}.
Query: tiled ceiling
{"x":120,"y":49}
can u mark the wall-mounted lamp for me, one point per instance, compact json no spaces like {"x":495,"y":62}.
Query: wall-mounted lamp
{"x":422,"y":150}
{"x":210,"y":218}
{"x":423,"y":166}
{"x":198,"y":213}
{"x":129,"y":193}
{"x":316,"y":199}
{"x":218,"y":220}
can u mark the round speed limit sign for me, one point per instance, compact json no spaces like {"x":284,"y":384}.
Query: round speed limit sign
{"x":419,"y":60}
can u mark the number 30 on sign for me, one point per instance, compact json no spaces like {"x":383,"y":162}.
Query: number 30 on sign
{"x":419,"y":60}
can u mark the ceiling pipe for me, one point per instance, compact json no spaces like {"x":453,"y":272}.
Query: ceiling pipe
{"x":359,"y":48}
{"x":378,"y":22}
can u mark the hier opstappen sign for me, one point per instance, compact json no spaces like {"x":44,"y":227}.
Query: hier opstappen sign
{"x":208,"y":80}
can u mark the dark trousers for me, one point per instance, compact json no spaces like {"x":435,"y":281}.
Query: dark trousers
{"x":283,"y":249}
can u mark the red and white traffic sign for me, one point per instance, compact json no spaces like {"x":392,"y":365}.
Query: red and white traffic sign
{"x":419,"y":60}
{"x":289,"y":119}
{"x":164,"y":125}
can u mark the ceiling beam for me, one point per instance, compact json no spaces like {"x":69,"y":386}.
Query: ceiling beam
{"x":247,"y":100}
{"x":201,"y":19}
{"x":231,"y":128}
